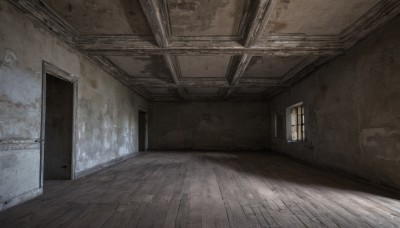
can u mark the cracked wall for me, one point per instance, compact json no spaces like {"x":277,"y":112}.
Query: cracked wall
{"x":352,"y":107}
{"x":106,"y":116}
{"x":208,"y":125}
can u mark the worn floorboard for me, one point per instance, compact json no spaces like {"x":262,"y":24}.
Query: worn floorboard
{"x":213,"y":189}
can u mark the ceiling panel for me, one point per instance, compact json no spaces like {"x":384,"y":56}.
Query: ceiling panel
{"x":316,"y":17}
{"x":102,"y":16}
{"x":205,"y":17}
{"x":211,"y":91}
{"x":252,"y":91}
{"x":271,"y":66}
{"x":204,"y":66}
{"x":144,"y":67}
{"x":161,"y":90}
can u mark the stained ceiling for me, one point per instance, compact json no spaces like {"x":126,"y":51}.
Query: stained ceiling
{"x":211,"y":50}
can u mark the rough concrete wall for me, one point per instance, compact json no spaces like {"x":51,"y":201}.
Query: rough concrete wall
{"x":208,"y":125}
{"x":352,"y":108}
{"x":106,"y":110}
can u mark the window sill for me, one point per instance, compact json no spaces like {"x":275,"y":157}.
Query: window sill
{"x":290,"y":142}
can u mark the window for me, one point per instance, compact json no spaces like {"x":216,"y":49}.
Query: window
{"x":295,"y":123}
{"x":274,"y":125}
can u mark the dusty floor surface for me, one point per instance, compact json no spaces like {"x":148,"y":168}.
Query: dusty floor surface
{"x":198,"y":189}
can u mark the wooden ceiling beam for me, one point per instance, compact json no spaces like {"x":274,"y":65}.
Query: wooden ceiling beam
{"x":151,"y":9}
{"x":374,"y":19}
{"x":119,"y":74}
{"x":277,"y":45}
{"x":217,"y":83}
{"x":238,"y":72}
{"x":173,"y":67}
{"x":261,"y":16}
{"x":157,"y":22}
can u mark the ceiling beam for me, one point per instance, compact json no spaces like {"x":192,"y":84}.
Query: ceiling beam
{"x":241,"y":68}
{"x":299,"y":67}
{"x":196,"y":83}
{"x":119,"y":74}
{"x":149,"y":82}
{"x":151,"y":9}
{"x":261,"y":15}
{"x":157,"y":22}
{"x":374,"y":19}
{"x":173,"y":67}
{"x":261,"y":82}
{"x":307,"y":69}
{"x":276,"y":45}
{"x":39,"y":12}
{"x":238,"y":72}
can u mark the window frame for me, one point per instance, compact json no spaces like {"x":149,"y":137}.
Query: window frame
{"x":274,"y":125}
{"x":298,"y":125}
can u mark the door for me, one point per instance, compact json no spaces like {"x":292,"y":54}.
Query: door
{"x":58,"y":129}
{"x":142,"y":131}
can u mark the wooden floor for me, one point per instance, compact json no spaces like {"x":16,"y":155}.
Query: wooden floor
{"x":178,"y":189}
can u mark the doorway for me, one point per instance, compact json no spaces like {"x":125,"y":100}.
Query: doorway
{"x":142,"y":130}
{"x":58,"y":144}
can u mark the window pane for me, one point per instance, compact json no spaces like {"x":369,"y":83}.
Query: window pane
{"x":275,"y":125}
{"x":294,"y":133}
{"x":299,"y":133}
{"x":293,"y":117}
{"x":297,"y":120}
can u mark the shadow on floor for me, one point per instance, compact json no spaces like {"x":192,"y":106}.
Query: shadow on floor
{"x":281,"y":168}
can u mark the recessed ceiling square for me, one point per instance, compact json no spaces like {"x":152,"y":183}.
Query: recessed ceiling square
{"x":146,"y":66}
{"x":205,"y":17}
{"x":103,"y":16}
{"x":250,"y":91}
{"x":210,"y":91}
{"x":316,"y":17}
{"x":161,"y":90}
{"x":271,"y":66}
{"x":204,"y":66}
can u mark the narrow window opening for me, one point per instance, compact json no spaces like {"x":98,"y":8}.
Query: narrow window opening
{"x":296,"y":123}
{"x":275,"y":133}
{"x":142,"y":130}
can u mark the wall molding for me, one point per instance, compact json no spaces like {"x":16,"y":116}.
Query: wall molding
{"x":7,"y":144}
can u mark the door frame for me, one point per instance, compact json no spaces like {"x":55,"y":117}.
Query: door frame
{"x":48,"y":68}
{"x":146,"y":126}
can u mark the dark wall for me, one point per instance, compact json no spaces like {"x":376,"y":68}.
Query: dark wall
{"x":352,"y":108}
{"x":208,"y":126}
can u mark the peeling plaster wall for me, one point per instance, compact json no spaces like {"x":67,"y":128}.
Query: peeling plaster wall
{"x":208,"y":125}
{"x":352,"y":108}
{"x":106,"y":111}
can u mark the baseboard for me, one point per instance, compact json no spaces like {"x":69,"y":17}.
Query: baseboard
{"x":99,"y":167}
{"x":20,"y":199}
{"x":206,"y":150}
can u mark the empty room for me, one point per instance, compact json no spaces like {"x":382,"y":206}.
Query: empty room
{"x":200,"y":113}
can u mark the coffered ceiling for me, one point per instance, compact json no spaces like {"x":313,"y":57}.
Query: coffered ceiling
{"x":210,"y":50}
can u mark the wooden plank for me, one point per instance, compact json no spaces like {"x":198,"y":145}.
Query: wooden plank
{"x":193,"y":189}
